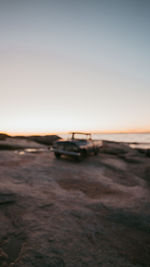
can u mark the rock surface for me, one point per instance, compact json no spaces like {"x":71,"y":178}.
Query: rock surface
{"x":63,"y":213}
{"x":21,"y":142}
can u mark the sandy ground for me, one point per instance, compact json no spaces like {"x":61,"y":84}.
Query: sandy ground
{"x":64,"y":213}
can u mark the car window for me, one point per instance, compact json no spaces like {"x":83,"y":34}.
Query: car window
{"x":60,"y":145}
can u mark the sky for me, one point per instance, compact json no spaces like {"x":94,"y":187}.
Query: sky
{"x":74,"y":65}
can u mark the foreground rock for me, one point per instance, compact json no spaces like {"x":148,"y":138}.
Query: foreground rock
{"x":22,"y":142}
{"x":64,"y":213}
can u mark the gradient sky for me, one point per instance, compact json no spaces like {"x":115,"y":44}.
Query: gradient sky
{"x":74,"y":65}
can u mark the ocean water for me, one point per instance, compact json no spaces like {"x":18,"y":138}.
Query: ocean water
{"x":143,"y":139}
{"x":125,"y":137}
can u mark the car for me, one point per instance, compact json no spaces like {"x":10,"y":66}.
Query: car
{"x":77,"y":146}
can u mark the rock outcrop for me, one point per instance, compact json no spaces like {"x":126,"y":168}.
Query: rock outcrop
{"x":63,"y":213}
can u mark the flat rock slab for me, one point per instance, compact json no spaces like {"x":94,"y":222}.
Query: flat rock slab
{"x":63,"y":213}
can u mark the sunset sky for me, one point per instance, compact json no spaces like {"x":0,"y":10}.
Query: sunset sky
{"x":74,"y":65}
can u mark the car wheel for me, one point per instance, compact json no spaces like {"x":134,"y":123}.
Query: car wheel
{"x":96,"y":152}
{"x":57,"y":155}
{"x":83,"y":155}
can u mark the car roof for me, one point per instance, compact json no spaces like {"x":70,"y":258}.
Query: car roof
{"x":85,"y":133}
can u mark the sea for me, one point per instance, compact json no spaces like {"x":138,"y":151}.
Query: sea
{"x":141,"y":140}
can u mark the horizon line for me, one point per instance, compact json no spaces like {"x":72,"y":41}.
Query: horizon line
{"x":67,"y":132}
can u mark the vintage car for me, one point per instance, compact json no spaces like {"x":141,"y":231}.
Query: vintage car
{"x":77,"y":146}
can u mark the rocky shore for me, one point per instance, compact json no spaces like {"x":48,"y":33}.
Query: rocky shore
{"x":64,"y":213}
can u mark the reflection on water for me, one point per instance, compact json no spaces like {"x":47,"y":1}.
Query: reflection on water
{"x":33,"y":150}
{"x":29,"y":150}
{"x":143,"y":146}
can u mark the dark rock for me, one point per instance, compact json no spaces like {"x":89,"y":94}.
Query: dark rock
{"x":4,"y":136}
{"x":46,"y":140}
